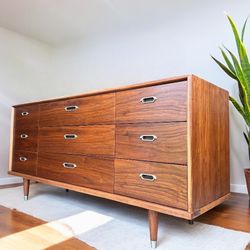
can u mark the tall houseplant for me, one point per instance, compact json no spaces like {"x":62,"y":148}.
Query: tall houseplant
{"x":238,"y":68}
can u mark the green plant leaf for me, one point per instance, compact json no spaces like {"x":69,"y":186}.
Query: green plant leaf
{"x":246,"y":137}
{"x":224,"y":68}
{"x":244,"y":62}
{"x":229,"y":64}
{"x":243,"y":29}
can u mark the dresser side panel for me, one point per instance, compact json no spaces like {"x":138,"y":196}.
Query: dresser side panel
{"x":209,"y":143}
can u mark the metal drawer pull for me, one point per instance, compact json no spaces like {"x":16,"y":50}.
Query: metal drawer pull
{"x":70,"y":136}
{"x":148,"y":177}
{"x":25,"y":113}
{"x":71,"y":108}
{"x":69,"y":165}
{"x":149,"y":99}
{"x":148,"y":137}
{"x":23,"y":158}
{"x":24,"y":136}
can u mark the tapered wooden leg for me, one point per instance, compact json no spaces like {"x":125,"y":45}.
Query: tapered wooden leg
{"x":153,"y":227}
{"x":190,"y":222}
{"x":26,"y":188}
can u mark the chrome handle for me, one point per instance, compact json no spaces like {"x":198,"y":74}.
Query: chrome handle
{"x":148,"y":177}
{"x":23,"y":136}
{"x":71,"y":108}
{"x":149,"y":99}
{"x":25,"y":113}
{"x":69,"y":165}
{"x":23,"y":158}
{"x":70,"y":136}
{"x":148,"y":137}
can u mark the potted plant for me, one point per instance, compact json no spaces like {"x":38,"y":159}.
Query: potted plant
{"x":238,"y":68}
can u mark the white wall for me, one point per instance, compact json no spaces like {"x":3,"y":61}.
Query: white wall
{"x":24,"y":76}
{"x":179,"y":43}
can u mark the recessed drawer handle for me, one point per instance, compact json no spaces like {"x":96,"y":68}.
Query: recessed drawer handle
{"x":23,"y":158}
{"x":23,"y":136}
{"x":69,"y":165}
{"x":149,"y":99}
{"x":148,"y":137}
{"x":25,"y":113}
{"x":70,"y":136}
{"x":148,"y":177}
{"x":71,"y":108}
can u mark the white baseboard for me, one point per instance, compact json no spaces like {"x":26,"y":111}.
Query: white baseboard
{"x":237,"y":188}
{"x":10,"y":180}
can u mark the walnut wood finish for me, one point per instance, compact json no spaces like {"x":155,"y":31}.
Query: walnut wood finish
{"x":93,"y":140}
{"x":89,"y":172}
{"x":209,"y":143}
{"x":28,"y":120}
{"x":169,"y":188}
{"x":26,"y":187}
{"x":28,"y":165}
{"x":91,"y":110}
{"x":170,"y":145}
{"x":171,"y":104}
{"x":29,"y":143}
{"x":153,"y":224}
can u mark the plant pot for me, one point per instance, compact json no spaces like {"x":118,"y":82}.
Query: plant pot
{"x":247,"y":174}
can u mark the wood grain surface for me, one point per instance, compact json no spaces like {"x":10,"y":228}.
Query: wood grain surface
{"x":91,"y":110}
{"x":29,"y":120}
{"x":89,"y":172}
{"x":169,"y":188}
{"x":209,"y":143}
{"x":170,"y":146}
{"x":26,"y":167}
{"x":93,"y":140}
{"x":171,"y":104}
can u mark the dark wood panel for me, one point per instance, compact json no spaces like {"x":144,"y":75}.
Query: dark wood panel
{"x":24,"y":162}
{"x":170,"y":105}
{"x":85,"y":110}
{"x":209,"y":122}
{"x":26,"y":138}
{"x":169,"y":188}
{"x":162,"y":142}
{"x":89,"y":172}
{"x":94,"y":140}
{"x":26,"y":116}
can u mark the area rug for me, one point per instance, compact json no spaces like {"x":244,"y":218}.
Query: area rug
{"x":108,"y":225}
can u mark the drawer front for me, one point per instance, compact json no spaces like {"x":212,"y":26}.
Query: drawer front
{"x":93,"y":140}
{"x":155,"y":182}
{"x":86,"y":110}
{"x":88,"y":172}
{"x":24,"y":162}
{"x":26,"y":116}
{"x":162,"y":142}
{"x":26,"y":139}
{"x":161,"y":103}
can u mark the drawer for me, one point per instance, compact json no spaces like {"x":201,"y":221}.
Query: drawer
{"x":161,"y":142}
{"x":83,"y":171}
{"x":155,"y":182}
{"x":93,"y":140}
{"x":24,"y":162}
{"x":79,"y":111}
{"x":26,"y":116}
{"x":26,"y":139}
{"x":163,"y":103}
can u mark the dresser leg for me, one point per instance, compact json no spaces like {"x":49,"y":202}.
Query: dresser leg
{"x":26,"y":188}
{"x":153,"y":227}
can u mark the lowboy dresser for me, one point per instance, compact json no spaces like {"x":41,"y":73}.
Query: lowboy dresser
{"x":161,"y":145}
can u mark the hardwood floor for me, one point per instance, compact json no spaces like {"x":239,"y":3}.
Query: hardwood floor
{"x":19,"y":231}
{"x":16,"y":226}
{"x":232,"y":214}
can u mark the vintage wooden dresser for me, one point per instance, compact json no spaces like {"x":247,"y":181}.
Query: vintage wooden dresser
{"x":161,"y":145}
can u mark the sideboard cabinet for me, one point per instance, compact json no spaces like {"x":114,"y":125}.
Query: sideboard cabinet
{"x":161,"y":145}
